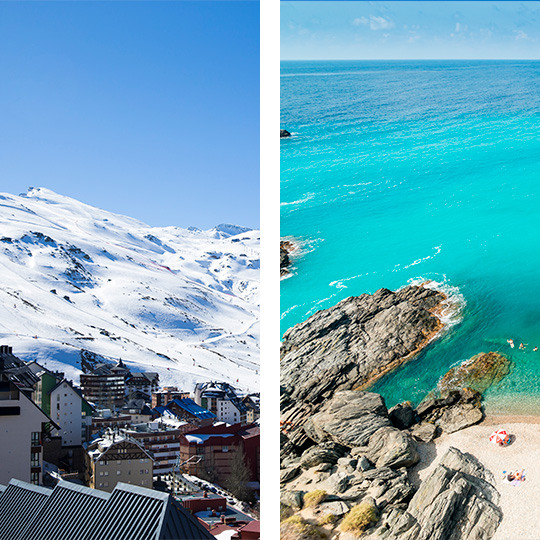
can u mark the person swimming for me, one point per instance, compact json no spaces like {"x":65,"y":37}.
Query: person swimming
{"x":522,"y":346}
{"x":510,"y":342}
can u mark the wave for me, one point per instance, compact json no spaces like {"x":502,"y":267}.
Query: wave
{"x":306,"y":198}
{"x":454,"y":305}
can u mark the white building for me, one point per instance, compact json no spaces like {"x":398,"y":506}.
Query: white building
{"x":221,"y":399}
{"x":67,"y":411}
{"x":21,"y":425}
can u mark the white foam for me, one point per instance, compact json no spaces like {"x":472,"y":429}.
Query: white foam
{"x":453,"y":306}
{"x":304,"y":199}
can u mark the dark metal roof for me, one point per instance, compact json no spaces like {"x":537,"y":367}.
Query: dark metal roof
{"x":72,"y":512}
{"x":19,"y":502}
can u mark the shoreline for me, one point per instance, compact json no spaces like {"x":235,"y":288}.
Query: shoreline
{"x":515,"y":501}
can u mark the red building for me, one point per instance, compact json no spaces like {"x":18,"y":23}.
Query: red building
{"x":216,"y":448}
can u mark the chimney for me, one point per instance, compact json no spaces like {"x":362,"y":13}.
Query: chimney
{"x":213,"y":513}
{"x":222,"y":518}
{"x":205,"y":494}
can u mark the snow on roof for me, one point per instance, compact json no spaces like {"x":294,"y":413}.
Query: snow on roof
{"x":201,"y":439}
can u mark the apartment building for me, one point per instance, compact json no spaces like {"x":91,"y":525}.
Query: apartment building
{"x":22,"y":423}
{"x":116,"y":458}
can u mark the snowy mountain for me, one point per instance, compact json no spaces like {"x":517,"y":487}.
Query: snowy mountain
{"x":74,"y":278}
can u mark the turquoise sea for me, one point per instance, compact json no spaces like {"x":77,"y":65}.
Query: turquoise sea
{"x":404,"y":171}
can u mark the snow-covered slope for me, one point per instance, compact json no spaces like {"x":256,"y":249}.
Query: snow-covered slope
{"x":181,"y":302}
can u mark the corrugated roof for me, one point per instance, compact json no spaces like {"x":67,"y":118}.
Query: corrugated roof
{"x":18,"y":504}
{"x":191,"y":407}
{"x":72,"y":512}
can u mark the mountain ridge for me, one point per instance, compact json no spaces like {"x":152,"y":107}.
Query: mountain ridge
{"x":183,"y":302}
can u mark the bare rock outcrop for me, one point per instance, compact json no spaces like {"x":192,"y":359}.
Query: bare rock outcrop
{"x":456,"y":501}
{"x":351,"y":345}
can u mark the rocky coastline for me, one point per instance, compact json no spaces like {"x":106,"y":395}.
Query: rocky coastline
{"x":285,"y":248}
{"x":347,"y":462}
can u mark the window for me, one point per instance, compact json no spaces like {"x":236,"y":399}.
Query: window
{"x":34,"y":478}
{"x":34,"y":461}
{"x":106,"y":473}
{"x":118,"y":473}
{"x":36,"y":436}
{"x":100,"y":473}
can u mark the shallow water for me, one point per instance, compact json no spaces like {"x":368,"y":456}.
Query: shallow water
{"x":398,"y":171}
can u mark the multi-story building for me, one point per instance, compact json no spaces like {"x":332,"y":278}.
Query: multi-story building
{"x":116,"y":458}
{"x":213,"y":450}
{"x":105,"y":388}
{"x":253,"y":409}
{"x":145,"y":383}
{"x":221,"y":399}
{"x":160,"y":398}
{"x":162,"y":440}
{"x":139,"y":411}
{"x":71,"y":412}
{"x":22,"y":424}
{"x":104,"y":418}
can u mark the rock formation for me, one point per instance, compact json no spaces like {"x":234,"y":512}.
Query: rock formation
{"x":478,"y":373}
{"x":283,"y":133}
{"x":285,"y":247}
{"x":351,"y":345}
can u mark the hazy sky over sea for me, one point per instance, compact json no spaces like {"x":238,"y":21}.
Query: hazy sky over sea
{"x":410,"y":30}
{"x":149,"y":109}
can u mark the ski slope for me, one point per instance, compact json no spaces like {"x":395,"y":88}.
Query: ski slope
{"x":182,"y":302}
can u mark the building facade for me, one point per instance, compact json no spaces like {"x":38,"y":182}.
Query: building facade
{"x":114,"y":459}
{"x":22,"y":424}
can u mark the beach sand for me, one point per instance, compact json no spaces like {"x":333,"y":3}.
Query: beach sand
{"x":520,"y":504}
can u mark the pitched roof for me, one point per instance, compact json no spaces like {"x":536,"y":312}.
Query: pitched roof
{"x":18,"y":505}
{"x":192,"y":408}
{"x":70,"y":511}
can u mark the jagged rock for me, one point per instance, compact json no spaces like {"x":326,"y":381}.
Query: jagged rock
{"x":337,"y":508}
{"x":424,"y":432}
{"x":478,"y":373}
{"x":390,"y":447}
{"x":283,"y":133}
{"x":351,"y":345}
{"x":402,"y":415}
{"x":285,"y":247}
{"x":382,"y":474}
{"x":286,"y":475}
{"x":455,"y":502}
{"x":349,"y":418}
{"x":364,"y":464}
{"x":337,"y":482}
{"x":327,"y":452}
{"x":293,"y":499}
{"x":457,"y":410}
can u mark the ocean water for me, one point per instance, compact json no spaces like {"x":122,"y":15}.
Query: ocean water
{"x":404,"y":171}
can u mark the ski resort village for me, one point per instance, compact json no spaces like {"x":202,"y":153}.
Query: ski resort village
{"x":129,"y":375}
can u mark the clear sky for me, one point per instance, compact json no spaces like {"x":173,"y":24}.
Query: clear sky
{"x":410,"y":30}
{"x":149,"y":109}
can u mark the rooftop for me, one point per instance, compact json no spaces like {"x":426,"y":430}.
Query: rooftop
{"x":69,"y":511}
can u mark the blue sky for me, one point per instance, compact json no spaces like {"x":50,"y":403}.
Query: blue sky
{"x":149,"y":109}
{"x":410,"y":30}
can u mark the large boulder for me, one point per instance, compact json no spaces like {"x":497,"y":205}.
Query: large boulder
{"x":283,"y":133}
{"x":327,"y":452}
{"x":350,"y":346}
{"x":349,"y":419}
{"x":403,"y":415}
{"x":390,"y":447}
{"x":457,"y":410}
{"x":285,"y":247}
{"x":456,"y":501}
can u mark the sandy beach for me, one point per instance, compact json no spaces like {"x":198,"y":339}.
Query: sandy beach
{"x":520,"y":506}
